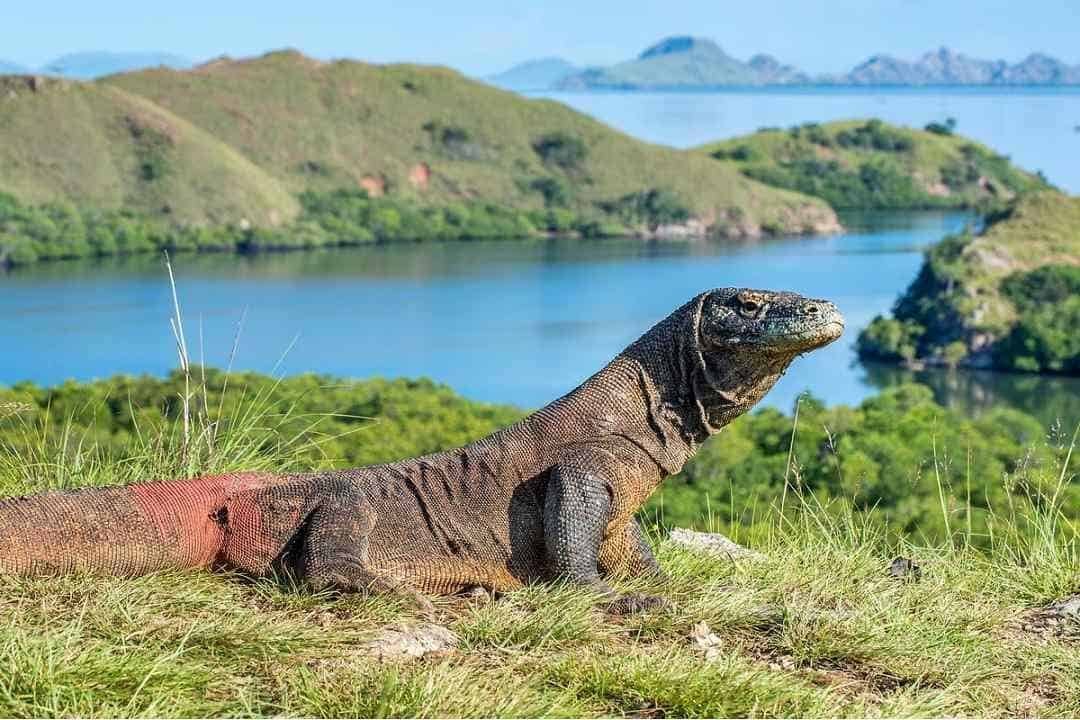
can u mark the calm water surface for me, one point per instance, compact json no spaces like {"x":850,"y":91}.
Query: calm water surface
{"x":1036,"y":127}
{"x":508,"y":322}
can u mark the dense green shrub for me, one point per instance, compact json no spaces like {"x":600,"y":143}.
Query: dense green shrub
{"x":740,"y":153}
{"x":812,"y":132}
{"x":891,"y":456}
{"x":875,"y":135}
{"x":562,"y":150}
{"x":343,"y":217}
{"x":946,"y":128}
{"x":556,"y":192}
{"x":889,"y":339}
{"x":1046,"y":337}
{"x":652,"y":207}
{"x":1044,"y":286}
{"x":455,"y":141}
{"x":875,"y":183}
{"x":928,"y":316}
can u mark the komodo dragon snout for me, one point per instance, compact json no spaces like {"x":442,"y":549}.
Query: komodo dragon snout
{"x":776,"y":323}
{"x":552,"y":496}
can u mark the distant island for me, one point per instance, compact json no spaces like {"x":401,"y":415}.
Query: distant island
{"x":10,"y":68}
{"x":685,"y":62}
{"x":539,"y":74}
{"x":96,"y":64}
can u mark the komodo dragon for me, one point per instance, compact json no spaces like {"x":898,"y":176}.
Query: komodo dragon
{"x":552,"y":496}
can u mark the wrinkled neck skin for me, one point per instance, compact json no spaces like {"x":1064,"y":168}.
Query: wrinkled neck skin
{"x":698,"y":390}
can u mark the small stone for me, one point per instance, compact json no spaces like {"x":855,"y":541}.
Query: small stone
{"x":903,"y":568}
{"x":1068,"y":609}
{"x":782,"y":662}
{"x":407,"y":642}
{"x":476,"y":596}
{"x":706,"y":640}
{"x":713,"y":544}
{"x":1061,"y":618}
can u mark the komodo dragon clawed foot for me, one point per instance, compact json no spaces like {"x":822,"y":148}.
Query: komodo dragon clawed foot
{"x":347,"y":578}
{"x":632,"y":603}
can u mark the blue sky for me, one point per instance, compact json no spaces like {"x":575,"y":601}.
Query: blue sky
{"x":480,"y":36}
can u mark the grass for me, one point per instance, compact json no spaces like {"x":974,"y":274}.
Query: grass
{"x":818,"y":628}
{"x":87,"y":143}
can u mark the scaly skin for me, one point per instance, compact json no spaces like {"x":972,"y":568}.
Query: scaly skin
{"x":551,"y":496}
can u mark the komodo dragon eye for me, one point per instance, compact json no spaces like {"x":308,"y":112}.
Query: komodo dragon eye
{"x":749,"y":307}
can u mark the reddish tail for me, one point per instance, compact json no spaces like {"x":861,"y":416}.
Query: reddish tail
{"x":126,"y":531}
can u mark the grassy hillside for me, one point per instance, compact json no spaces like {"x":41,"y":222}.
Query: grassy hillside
{"x":284,"y":151}
{"x":872,"y":164}
{"x":97,"y":145}
{"x":432,"y":134}
{"x":1007,"y":298}
{"x":818,"y":627}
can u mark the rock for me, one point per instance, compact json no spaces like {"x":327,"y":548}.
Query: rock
{"x":1069,"y":607}
{"x":420,"y":176}
{"x":713,"y":544}
{"x":692,"y":229}
{"x":14,"y":408}
{"x":706,"y":640}
{"x":375,"y":186}
{"x":1059,"y":619}
{"x":407,"y":642}
{"x":477,"y":595}
{"x":903,"y":568}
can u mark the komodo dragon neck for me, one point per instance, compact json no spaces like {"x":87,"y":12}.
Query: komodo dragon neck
{"x":661,"y":394}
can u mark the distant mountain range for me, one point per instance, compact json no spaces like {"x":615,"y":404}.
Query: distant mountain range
{"x":945,"y":67}
{"x":10,"y":68}
{"x":691,"y":62}
{"x":91,"y":65}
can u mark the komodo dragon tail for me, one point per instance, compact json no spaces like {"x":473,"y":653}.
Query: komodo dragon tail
{"x":128,"y":530}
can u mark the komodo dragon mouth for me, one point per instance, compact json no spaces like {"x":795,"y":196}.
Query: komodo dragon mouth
{"x":814,"y":334}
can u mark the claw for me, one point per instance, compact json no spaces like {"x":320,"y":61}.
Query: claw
{"x":638,"y":602}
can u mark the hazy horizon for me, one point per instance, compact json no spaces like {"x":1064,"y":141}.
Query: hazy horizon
{"x":483,"y":36}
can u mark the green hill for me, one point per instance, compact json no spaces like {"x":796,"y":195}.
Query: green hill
{"x":286,"y":151}
{"x":97,"y":145}
{"x":1008,"y":298}
{"x":872,"y":164}
{"x":435,"y":135}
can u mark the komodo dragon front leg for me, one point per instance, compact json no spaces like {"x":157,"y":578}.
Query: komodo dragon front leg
{"x":626,"y":553}
{"x":578,"y":511}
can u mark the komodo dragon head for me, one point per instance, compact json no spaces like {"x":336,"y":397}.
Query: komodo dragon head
{"x":716,"y":356}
